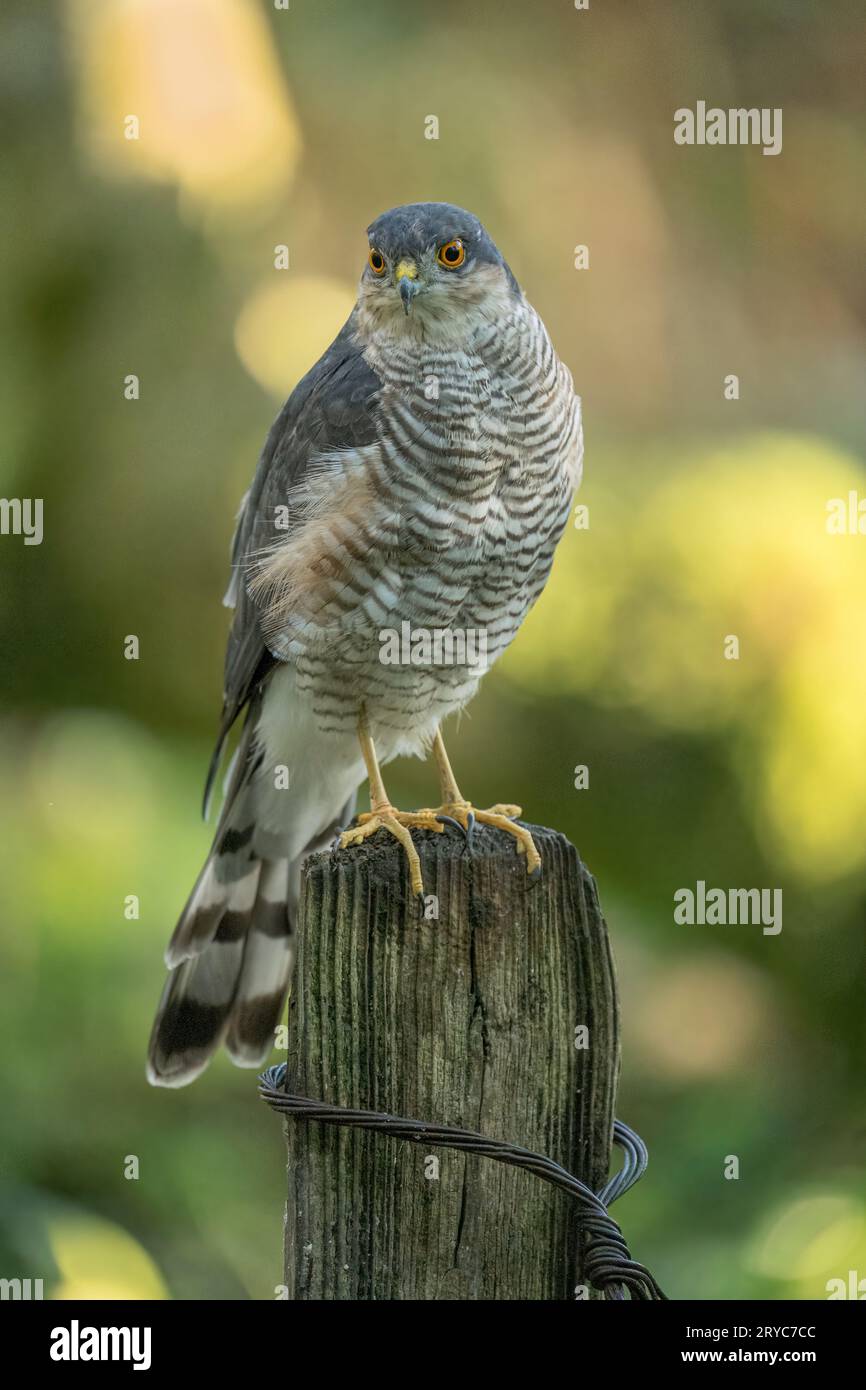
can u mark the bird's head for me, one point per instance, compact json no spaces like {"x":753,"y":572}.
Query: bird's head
{"x":432,"y":270}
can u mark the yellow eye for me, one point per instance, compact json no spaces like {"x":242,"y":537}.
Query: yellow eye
{"x":452,"y":254}
{"x":377,"y":261}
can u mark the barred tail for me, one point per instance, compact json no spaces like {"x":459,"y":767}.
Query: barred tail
{"x":231,"y":954}
{"x":234,"y":989}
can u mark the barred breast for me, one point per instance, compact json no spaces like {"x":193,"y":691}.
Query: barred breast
{"x":446,"y":525}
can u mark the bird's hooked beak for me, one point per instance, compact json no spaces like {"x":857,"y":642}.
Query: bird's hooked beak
{"x":407,"y":282}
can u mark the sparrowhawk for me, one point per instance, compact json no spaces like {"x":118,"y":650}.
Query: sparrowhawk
{"x":416,"y":481}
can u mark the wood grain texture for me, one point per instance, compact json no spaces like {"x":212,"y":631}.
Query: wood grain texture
{"x":466,"y":1020}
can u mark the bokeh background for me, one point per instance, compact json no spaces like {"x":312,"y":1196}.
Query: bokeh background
{"x":155,"y":257}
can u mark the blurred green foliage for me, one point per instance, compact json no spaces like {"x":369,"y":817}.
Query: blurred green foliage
{"x":707,"y":517}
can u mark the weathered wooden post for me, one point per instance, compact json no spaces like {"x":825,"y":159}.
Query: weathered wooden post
{"x":474,"y":1018}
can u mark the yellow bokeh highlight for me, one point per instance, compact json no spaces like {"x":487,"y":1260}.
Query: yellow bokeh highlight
{"x":98,"y":1260}
{"x":739,"y":544}
{"x":287,"y":324}
{"x":86,"y":767}
{"x":213,"y":110}
{"x":731,"y":541}
{"x":813,"y":1238}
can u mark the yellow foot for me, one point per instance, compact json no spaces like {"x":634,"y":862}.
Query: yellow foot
{"x":503,"y":817}
{"x":396,"y":822}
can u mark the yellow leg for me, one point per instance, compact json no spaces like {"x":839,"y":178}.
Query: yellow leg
{"x":454,"y":804}
{"x":383,"y":816}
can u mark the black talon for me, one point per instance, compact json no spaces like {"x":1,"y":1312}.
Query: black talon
{"x":467,"y":828}
{"x":449,"y":820}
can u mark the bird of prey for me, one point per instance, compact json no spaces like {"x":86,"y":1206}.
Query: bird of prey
{"x":417,"y":479}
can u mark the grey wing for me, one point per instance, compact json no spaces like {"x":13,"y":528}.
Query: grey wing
{"x":332,"y":408}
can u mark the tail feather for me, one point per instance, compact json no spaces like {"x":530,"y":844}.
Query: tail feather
{"x":210,"y":903}
{"x":265,"y":972}
{"x":224,"y":885}
{"x":234,"y":989}
{"x":194,"y":1012}
{"x":231,"y":952}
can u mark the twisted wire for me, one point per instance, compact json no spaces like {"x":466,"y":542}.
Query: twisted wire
{"x":607,"y":1261}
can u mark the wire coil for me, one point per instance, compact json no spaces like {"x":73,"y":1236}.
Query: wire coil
{"x":607,"y":1261}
